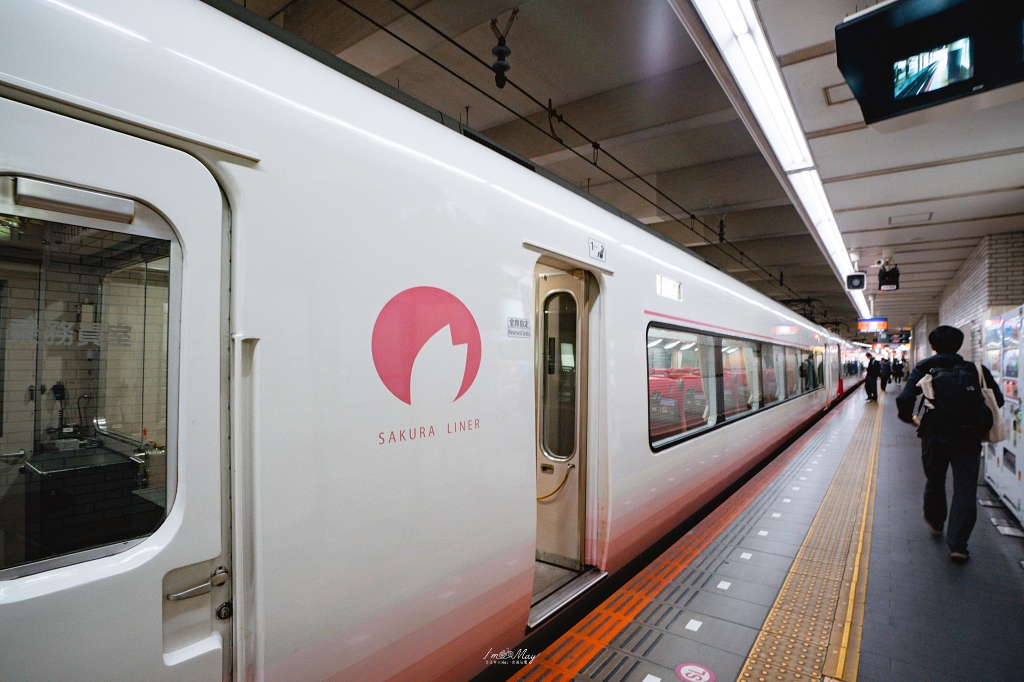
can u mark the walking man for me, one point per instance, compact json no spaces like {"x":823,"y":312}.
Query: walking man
{"x":871,"y":378}
{"x":897,"y":372}
{"x":951,"y":431}
{"x":884,"y":373}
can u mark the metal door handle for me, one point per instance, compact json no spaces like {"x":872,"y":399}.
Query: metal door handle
{"x":219,"y":577}
{"x":13,"y":457}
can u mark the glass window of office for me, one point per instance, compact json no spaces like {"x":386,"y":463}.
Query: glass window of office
{"x":83,"y":388}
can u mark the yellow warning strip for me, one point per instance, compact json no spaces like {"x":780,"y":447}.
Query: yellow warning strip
{"x":810,"y":632}
{"x":868,"y":499}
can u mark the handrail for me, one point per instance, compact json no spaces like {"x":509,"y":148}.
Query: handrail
{"x":560,"y":485}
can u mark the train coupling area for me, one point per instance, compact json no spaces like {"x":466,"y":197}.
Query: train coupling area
{"x":800,"y":576}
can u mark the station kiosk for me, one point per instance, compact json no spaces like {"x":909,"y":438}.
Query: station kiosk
{"x":1003,"y":461}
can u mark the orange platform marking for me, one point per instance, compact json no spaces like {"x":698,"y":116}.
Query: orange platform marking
{"x":571,"y":652}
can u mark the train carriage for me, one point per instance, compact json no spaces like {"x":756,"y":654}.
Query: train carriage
{"x":371,"y":399}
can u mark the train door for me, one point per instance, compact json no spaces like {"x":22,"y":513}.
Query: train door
{"x":563,"y":304}
{"x":112,"y":508}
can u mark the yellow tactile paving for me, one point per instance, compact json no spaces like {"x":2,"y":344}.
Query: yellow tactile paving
{"x":813,"y":630}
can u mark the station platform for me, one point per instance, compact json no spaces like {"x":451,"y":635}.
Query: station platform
{"x":820,"y":567}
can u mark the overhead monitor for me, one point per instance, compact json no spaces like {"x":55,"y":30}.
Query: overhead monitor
{"x":905,"y":55}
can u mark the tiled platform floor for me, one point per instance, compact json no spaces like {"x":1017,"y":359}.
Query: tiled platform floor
{"x":925,"y":618}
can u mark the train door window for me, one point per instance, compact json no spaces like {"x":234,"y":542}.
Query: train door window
{"x":681,"y":391}
{"x":559,"y":387}
{"x":773,"y":373}
{"x":793,"y":385}
{"x":740,"y":381}
{"x":83,"y":381}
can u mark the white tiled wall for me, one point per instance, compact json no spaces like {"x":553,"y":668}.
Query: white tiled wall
{"x":991,"y":279}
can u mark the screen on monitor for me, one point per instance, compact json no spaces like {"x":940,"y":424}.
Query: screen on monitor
{"x":934,"y":69}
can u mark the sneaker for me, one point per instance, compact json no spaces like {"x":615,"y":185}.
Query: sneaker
{"x":959,"y":556}
{"x":935,"y":531}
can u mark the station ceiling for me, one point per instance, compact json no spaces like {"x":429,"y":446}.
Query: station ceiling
{"x":927,"y":187}
{"x":627,"y":74}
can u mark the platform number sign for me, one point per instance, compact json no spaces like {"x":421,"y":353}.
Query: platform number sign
{"x":597,"y":250}
{"x":694,"y":672}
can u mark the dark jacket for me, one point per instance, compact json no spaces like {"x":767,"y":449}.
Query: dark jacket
{"x":907,"y":399}
{"x":873,"y":369}
{"x":886,"y":370}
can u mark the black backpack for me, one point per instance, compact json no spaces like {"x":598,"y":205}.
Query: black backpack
{"x":958,"y":409}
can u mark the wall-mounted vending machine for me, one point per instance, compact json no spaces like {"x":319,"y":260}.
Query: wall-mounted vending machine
{"x":1005,"y":476}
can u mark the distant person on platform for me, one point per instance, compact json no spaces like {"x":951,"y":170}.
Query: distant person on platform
{"x":951,"y":432}
{"x":871,"y":378}
{"x":897,"y":372}
{"x":885,"y":373}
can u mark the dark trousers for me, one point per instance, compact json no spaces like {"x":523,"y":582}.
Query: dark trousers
{"x":964,"y":456}
{"x":871,"y":388}
{"x":885,"y":381}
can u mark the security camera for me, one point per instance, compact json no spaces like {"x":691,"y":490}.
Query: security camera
{"x":880,"y":262}
{"x":857,"y":281}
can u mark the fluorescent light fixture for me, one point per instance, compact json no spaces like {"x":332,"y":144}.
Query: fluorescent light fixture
{"x":689,"y":345}
{"x":672,"y":345}
{"x":654,"y":343}
{"x":810,"y":191}
{"x":735,"y":28}
{"x":862,"y":304}
{"x":808,"y":187}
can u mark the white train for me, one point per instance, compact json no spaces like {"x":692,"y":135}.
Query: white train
{"x":299,"y":384}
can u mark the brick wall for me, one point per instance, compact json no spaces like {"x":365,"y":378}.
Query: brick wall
{"x":1006,"y":270}
{"x":989,"y":281}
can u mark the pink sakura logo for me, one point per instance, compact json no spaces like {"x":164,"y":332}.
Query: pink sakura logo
{"x":407,"y":322}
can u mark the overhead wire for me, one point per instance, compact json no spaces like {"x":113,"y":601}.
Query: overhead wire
{"x":596,"y":147}
{"x":594,"y":144}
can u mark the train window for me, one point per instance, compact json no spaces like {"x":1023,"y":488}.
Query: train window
{"x":741,"y":391}
{"x":817,"y":370}
{"x":773,"y":373}
{"x":83,"y":388}
{"x":681,"y":389}
{"x":558,"y":392}
{"x":811,"y":371}
{"x":793,"y":385}
{"x":804,"y":371}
